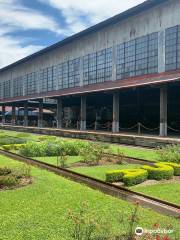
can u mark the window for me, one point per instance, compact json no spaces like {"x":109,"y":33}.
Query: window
{"x":173,"y":48}
{"x":68,"y":74}
{"x":97,"y":67}
{"x":7,"y":89}
{"x":18,"y":86}
{"x":31,"y":80}
{"x":1,"y":89}
{"x":137,"y":57}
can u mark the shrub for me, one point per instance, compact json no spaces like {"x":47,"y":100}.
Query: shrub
{"x":7,"y":140}
{"x":17,"y":146}
{"x":7,"y":147}
{"x":114,"y":176}
{"x":173,"y":165}
{"x":170,"y":153}
{"x":11,"y":147}
{"x":4,"y":171}
{"x":130,"y":177}
{"x":159,"y":172}
{"x":32,"y":149}
{"x":134,"y":176}
{"x":8,"y":181}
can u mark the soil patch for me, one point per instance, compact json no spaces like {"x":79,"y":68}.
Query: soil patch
{"x":24,"y":181}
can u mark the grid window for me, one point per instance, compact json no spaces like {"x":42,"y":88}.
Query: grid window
{"x":6,"y":89}
{"x":31,"y":80}
{"x":173,"y":48}
{"x":18,"y":86}
{"x":68,"y":74}
{"x":1,"y":90}
{"x":97,"y":67}
{"x":137,"y":57}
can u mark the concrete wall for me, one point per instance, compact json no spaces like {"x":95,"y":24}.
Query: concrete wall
{"x":156,"y":19}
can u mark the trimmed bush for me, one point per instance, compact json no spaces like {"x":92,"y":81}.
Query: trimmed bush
{"x":7,"y":147}
{"x":114,"y":176}
{"x":130,"y":177}
{"x":159,"y":172}
{"x":7,"y":140}
{"x":175,"y":166}
{"x":134,"y":176}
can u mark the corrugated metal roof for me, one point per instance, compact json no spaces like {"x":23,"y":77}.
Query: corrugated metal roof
{"x":117,"y":18}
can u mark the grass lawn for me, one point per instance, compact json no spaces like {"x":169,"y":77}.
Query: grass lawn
{"x":99,"y":172}
{"x":53,"y":160}
{"x":40,"y":210}
{"x":136,"y":152}
{"x":129,"y":151}
{"x":165,"y":191}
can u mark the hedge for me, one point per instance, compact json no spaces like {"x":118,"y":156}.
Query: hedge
{"x":175,"y":166}
{"x":10,"y":147}
{"x":134,"y":176}
{"x":114,"y":176}
{"x":130,"y":177}
{"x":159,"y":172}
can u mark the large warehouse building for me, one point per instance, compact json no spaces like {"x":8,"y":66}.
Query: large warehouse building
{"x":122,"y":74}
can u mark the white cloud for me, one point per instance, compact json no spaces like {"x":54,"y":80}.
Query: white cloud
{"x":17,"y":16}
{"x":11,"y":49}
{"x":93,"y":11}
{"x":13,"y":17}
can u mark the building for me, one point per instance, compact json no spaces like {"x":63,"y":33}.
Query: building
{"x":120,"y":74}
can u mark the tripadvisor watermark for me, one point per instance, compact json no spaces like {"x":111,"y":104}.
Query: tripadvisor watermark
{"x":139,"y":231}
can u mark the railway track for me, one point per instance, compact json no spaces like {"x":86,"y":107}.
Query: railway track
{"x":156,"y":204}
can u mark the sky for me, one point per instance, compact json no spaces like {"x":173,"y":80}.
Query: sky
{"x":27,"y":26}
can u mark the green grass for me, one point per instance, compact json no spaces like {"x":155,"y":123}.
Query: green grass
{"x":136,"y":152}
{"x":53,"y":160}
{"x":129,"y":151}
{"x":40,"y":210}
{"x":99,"y":172}
{"x":166,"y":191}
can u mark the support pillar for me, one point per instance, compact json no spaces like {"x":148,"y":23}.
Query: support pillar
{"x":83,"y":113}
{"x":115,"y":124}
{"x":59,"y":113}
{"x":3,"y":114}
{"x":26,"y":114}
{"x":13,"y":119}
{"x":40,"y":115}
{"x":163,"y":111}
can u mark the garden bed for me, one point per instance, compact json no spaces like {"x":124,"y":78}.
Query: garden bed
{"x":41,"y":210}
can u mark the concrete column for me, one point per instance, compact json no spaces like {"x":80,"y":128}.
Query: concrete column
{"x":163,"y":111}
{"x":83,"y":113}
{"x":40,"y":115}
{"x":115,"y":124}
{"x":161,"y":51}
{"x":26,"y":114}
{"x":3,"y":114}
{"x":59,"y":113}
{"x":13,"y":119}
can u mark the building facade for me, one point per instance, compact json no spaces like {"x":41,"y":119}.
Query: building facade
{"x":133,"y":57}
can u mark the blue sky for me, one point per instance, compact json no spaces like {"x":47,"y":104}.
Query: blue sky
{"x":27,"y":26}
